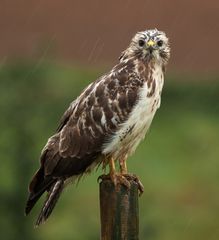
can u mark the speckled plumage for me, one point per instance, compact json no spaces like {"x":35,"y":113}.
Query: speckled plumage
{"x":108,"y":120}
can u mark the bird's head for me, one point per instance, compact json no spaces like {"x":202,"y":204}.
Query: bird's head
{"x":150,"y":45}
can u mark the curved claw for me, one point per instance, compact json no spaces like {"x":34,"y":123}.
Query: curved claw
{"x":138,"y":182}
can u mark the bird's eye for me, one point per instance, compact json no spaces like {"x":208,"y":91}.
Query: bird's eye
{"x":160,"y":43}
{"x":141,"y":43}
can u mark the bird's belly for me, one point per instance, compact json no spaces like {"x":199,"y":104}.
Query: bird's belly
{"x":126,"y":140}
{"x":130,"y":139}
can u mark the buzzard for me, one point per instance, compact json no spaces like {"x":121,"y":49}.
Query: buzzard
{"x":105,"y":123}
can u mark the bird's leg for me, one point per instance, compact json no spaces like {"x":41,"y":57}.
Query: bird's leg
{"x":123,"y":166}
{"x":112,"y":172}
{"x":116,"y":178}
{"x":123,"y":177}
{"x":126,"y":177}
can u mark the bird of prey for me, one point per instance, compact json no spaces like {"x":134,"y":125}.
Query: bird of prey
{"x":105,"y":123}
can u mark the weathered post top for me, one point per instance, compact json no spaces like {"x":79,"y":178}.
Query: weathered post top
{"x":119,"y":210}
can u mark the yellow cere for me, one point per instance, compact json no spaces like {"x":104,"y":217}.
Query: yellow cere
{"x":150,"y":43}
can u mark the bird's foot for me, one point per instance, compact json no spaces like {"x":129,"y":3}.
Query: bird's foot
{"x":136,"y":179}
{"x":123,"y":179}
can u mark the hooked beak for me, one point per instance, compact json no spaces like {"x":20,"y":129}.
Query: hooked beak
{"x":150,"y":43}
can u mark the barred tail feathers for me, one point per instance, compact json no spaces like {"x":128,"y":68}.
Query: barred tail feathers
{"x":51,"y":200}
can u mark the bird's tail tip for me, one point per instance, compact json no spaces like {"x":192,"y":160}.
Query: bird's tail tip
{"x":51,"y":200}
{"x":32,"y":199}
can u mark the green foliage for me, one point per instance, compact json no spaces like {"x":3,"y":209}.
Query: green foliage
{"x":178,"y":161}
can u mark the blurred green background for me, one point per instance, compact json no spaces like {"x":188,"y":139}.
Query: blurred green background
{"x":49,"y":51}
{"x":177,"y":162}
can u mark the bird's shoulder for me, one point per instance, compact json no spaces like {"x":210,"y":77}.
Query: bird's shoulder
{"x":117,"y":88}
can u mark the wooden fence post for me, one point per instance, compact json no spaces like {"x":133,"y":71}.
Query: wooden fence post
{"x":119,"y":211}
